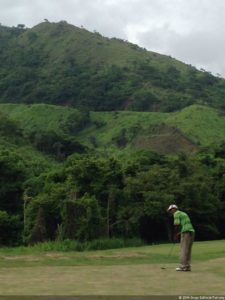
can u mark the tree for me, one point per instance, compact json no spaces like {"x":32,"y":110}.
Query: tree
{"x":145,"y":100}
{"x":76,"y":122}
{"x":81,"y":219}
{"x":10,"y":229}
{"x":12,"y":176}
{"x":39,"y":232}
{"x":58,"y":145}
{"x":21,"y":26}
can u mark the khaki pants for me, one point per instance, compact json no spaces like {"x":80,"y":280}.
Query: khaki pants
{"x":186,"y":242}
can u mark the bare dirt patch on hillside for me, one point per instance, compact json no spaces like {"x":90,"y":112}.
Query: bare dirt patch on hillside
{"x":165,"y":140}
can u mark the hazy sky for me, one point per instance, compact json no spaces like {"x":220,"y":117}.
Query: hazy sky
{"x":192,"y":31}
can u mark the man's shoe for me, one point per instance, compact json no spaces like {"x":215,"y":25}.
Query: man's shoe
{"x":184,"y":269}
{"x":180,"y":269}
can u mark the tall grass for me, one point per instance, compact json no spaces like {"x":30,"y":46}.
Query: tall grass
{"x":73,"y":245}
{"x":100,"y":244}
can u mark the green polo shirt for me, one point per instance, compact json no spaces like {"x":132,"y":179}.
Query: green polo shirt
{"x":182,"y":219}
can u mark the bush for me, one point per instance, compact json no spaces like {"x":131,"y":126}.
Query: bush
{"x":74,"y":245}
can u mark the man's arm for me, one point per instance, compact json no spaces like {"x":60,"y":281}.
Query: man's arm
{"x":176,"y":232}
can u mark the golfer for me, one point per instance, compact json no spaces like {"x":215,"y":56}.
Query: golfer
{"x":185,"y":230}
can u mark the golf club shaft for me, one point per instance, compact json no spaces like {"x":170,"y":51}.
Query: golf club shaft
{"x":171,"y":249}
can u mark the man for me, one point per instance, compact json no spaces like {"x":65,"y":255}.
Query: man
{"x":185,"y":230}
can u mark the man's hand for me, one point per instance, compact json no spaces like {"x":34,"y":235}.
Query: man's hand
{"x":176,"y":236}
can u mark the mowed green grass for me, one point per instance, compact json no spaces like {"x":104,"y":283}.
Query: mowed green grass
{"x":146,"y":270}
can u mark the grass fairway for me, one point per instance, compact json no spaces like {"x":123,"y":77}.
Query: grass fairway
{"x":130,"y":271}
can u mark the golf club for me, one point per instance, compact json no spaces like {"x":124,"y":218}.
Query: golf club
{"x":169,"y":254}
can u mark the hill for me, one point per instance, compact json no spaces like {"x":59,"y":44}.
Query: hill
{"x":77,"y":110}
{"x":14,"y":138}
{"x":73,"y":174}
{"x":115,"y":133}
{"x":58,"y":63}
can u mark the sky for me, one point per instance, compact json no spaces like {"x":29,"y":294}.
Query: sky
{"x":192,"y":31}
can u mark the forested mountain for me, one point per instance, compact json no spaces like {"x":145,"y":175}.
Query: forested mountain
{"x":58,"y":63}
{"x":132,"y":132}
{"x":68,"y":174}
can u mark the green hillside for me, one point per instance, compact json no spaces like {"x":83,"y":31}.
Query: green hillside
{"x":38,"y":117}
{"x":69,"y":174}
{"x":125,"y":131}
{"x":13,"y":140}
{"x":58,"y":63}
{"x":98,"y":136}
{"x":205,"y":126}
{"x":184,"y":131}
